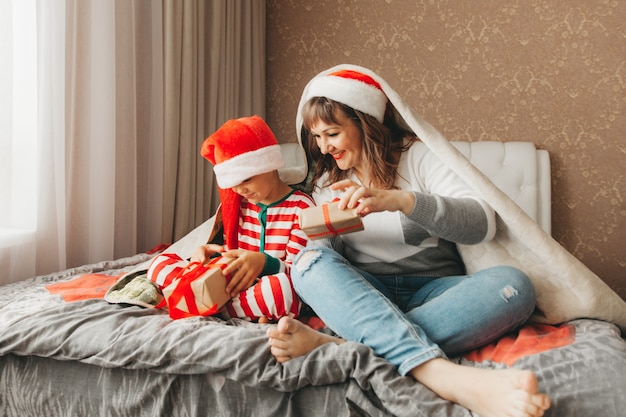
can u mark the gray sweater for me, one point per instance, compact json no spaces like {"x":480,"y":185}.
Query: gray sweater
{"x":422,"y":243}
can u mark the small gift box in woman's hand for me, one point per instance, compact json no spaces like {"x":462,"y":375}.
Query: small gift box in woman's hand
{"x":327,"y":220}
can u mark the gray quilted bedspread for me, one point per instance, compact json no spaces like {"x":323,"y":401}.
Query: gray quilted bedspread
{"x":137,"y":361}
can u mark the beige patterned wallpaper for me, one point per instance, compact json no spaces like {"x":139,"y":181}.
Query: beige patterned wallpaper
{"x":550,"y":72}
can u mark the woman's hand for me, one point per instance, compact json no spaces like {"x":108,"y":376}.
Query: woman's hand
{"x":243,"y":270}
{"x":204,"y":253}
{"x":366,"y":200}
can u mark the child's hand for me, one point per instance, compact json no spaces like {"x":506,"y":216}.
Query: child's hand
{"x":203,"y":253}
{"x":243,"y":271}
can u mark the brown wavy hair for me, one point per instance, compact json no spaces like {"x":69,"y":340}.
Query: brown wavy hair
{"x":382,"y":142}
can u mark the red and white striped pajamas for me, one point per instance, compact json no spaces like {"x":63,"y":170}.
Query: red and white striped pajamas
{"x":274,"y":228}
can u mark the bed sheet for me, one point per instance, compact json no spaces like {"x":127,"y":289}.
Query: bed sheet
{"x":90,"y":357}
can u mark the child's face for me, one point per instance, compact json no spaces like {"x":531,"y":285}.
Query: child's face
{"x":262,"y":188}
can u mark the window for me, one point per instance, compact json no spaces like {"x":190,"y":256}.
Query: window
{"x":18,"y":119}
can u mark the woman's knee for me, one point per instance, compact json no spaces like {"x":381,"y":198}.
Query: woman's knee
{"x":516,"y":285}
{"x":304,"y":265}
{"x":518,"y":279}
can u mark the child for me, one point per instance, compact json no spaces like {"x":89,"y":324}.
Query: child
{"x":260,"y":218}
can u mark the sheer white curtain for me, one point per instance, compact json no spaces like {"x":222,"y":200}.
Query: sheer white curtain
{"x":32,"y":207}
{"x":87,"y":127}
{"x":81,"y":143}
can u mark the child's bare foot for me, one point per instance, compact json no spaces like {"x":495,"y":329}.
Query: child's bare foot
{"x":489,"y":393}
{"x":290,"y":339}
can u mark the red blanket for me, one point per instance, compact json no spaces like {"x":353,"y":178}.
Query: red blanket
{"x":84,"y":287}
{"x":531,"y":339}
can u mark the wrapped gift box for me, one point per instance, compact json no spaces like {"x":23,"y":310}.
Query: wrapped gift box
{"x":327,"y":220}
{"x":199,"y":291}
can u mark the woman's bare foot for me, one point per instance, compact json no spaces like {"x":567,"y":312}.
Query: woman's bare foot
{"x":489,"y":393}
{"x":291,"y":338}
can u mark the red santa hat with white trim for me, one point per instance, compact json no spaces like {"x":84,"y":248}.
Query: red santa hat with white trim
{"x":352,"y":88}
{"x":240,"y":149}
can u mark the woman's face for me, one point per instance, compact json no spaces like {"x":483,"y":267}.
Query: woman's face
{"x":342,"y":140}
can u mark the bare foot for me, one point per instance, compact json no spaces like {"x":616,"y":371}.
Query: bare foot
{"x":263,"y":320}
{"x":291,"y":338}
{"x":489,"y":393}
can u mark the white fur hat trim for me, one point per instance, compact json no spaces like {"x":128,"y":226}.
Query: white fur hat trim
{"x":235,"y":170}
{"x":357,"y":94}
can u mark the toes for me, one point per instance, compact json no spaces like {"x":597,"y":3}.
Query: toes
{"x":280,"y":355}
{"x":271,"y":332}
{"x":285,"y":325}
{"x":543,"y":401}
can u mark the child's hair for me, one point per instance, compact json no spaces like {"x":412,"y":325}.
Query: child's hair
{"x":382,"y":142}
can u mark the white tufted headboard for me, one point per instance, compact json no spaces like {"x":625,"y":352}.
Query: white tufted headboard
{"x":517,"y":168}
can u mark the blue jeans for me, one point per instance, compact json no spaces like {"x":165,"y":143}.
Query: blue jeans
{"x":410,"y":320}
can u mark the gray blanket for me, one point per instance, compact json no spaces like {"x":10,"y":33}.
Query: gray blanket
{"x":36,"y":324}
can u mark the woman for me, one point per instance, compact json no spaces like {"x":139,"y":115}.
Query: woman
{"x":400,"y":286}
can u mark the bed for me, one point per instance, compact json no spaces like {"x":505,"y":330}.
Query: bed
{"x":66,"y":351}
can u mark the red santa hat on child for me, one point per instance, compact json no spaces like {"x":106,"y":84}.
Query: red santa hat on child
{"x":240,"y":149}
{"x":350,"y":87}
